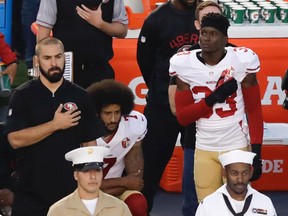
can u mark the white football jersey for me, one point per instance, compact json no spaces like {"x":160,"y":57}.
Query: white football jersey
{"x":132,"y":128}
{"x":220,"y":128}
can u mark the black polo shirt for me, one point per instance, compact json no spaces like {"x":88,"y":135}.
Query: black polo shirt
{"x":44,"y":174}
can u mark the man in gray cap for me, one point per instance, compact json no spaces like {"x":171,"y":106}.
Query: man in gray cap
{"x":236,"y":197}
{"x":88,"y":199}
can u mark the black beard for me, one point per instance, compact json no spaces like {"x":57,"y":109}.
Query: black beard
{"x":188,"y":6}
{"x":111,"y":131}
{"x":55,"y":77}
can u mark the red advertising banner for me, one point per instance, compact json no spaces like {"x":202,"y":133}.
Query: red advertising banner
{"x":273,"y":54}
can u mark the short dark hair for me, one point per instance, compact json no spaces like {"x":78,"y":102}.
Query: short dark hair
{"x":108,"y":92}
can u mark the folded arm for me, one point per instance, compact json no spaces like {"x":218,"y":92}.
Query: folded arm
{"x":186,"y":110}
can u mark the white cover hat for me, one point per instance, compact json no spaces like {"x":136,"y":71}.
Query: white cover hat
{"x":90,"y":157}
{"x":236,"y":156}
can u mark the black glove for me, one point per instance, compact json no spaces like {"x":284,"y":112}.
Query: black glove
{"x":284,"y":84}
{"x":220,"y":94}
{"x":2,"y":127}
{"x":257,"y":162}
{"x":285,"y":102}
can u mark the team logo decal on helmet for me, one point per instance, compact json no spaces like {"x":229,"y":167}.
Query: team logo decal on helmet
{"x":69,"y":105}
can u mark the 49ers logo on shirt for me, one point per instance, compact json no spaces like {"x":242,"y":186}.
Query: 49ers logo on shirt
{"x":69,"y":105}
{"x":126,"y":142}
{"x":227,"y":73}
{"x":184,"y":48}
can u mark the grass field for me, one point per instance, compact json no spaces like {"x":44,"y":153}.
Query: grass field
{"x":21,"y":75}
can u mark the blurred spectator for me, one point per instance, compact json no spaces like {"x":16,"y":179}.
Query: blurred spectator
{"x":10,"y":68}
{"x":7,"y":167}
{"x":29,"y":14}
{"x":86,"y":28}
{"x":164,"y":32}
{"x":17,"y":31}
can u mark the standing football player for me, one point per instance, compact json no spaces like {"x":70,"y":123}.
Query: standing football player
{"x":216,"y":86}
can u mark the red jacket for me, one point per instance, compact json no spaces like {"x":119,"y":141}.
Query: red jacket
{"x":6,"y":54}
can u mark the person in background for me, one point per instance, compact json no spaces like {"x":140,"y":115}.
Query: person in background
{"x":236,"y":197}
{"x":88,"y":199}
{"x":125,"y":128}
{"x":163,"y":33}
{"x":10,"y":60}
{"x":188,"y":185}
{"x":47,"y":116}
{"x":86,"y":28}
{"x":29,"y":12}
{"x":216,"y":86}
{"x":17,"y":44}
